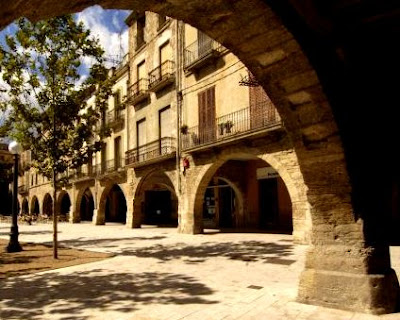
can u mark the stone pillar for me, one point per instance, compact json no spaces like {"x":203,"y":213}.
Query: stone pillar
{"x":342,"y":270}
{"x":133,"y":219}
{"x":188,"y":221}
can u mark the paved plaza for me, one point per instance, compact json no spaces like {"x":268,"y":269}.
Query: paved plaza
{"x":156,"y":273}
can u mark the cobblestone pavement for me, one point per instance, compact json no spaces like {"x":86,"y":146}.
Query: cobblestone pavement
{"x":159,"y":274}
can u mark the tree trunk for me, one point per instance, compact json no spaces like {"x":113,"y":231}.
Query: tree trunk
{"x":55,"y":244}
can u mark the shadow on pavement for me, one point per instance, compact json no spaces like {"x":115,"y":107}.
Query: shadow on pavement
{"x":251,"y":251}
{"x":104,"y":242}
{"x":71,"y":295}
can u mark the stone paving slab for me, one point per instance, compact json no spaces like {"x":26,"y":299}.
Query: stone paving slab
{"x":157,"y":274}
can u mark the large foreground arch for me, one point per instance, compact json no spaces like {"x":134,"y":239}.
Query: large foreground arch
{"x":350,"y":46}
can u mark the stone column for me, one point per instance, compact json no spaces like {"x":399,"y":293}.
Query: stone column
{"x":344,"y":269}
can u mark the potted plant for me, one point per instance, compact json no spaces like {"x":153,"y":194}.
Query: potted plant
{"x":184,"y":129}
{"x":228,"y":126}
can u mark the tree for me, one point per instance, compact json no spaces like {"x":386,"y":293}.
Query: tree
{"x":45,"y":93}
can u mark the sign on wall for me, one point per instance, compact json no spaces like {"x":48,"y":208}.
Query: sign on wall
{"x":267,"y":173}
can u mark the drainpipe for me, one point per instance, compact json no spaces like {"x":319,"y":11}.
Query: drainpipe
{"x":179,"y":63}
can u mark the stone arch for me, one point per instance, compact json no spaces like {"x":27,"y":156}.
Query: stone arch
{"x":260,"y":38}
{"x":25,"y":206}
{"x":113,"y":209}
{"x":153,"y":180}
{"x":47,"y":205}
{"x":35,"y":207}
{"x":293,"y":182}
{"x":85,"y":205}
{"x":63,"y":204}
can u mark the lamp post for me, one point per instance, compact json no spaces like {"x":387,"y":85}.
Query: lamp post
{"x":13,"y":245}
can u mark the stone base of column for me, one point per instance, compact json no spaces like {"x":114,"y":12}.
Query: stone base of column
{"x":98,"y":219}
{"x":189,"y":227}
{"x":74,"y":218}
{"x":368,"y":293}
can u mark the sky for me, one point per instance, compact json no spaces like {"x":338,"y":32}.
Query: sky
{"x":107,"y":25}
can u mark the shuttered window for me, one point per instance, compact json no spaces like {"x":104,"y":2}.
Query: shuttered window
{"x":206,"y":100}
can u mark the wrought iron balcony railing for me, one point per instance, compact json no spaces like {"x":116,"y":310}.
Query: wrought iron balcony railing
{"x":161,"y":76}
{"x":110,"y":166}
{"x":115,"y":118}
{"x":153,"y":150}
{"x":139,"y":91}
{"x":23,"y":189}
{"x":201,"y":52}
{"x":233,"y":125}
{"x":84,"y":172}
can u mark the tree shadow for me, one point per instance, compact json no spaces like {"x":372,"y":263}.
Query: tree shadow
{"x":250,"y":251}
{"x":104,"y":242}
{"x":30,"y":233}
{"x":96,"y":290}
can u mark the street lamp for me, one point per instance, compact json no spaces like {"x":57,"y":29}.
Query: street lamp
{"x":14,"y":246}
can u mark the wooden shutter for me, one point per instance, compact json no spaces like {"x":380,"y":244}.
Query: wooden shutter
{"x":207,"y":129}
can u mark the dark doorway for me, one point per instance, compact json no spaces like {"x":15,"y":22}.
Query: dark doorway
{"x":48,"y":205}
{"x":87,"y":206}
{"x":158,"y":208}
{"x":219,"y":205}
{"x":25,"y":207}
{"x":65,"y":205}
{"x":115,"y":210}
{"x":35,"y":207}
{"x":268,"y":202}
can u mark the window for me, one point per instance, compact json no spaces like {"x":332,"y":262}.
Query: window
{"x":141,"y":71}
{"x":141,"y":132}
{"x":140,"y":25}
{"x":117,"y":99}
{"x":117,"y":152}
{"x":103,"y":157}
{"x":206,"y":100}
{"x":165,"y":123}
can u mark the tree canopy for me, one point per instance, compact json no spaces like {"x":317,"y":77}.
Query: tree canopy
{"x":45,"y":92}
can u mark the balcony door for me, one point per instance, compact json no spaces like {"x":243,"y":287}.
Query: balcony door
{"x":261,"y":107}
{"x":117,"y":152}
{"x":207,"y":129}
{"x":141,"y":139}
{"x":166,"y":54}
{"x":165,"y":127}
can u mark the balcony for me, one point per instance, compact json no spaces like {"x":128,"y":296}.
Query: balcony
{"x":198,"y":54}
{"x":236,"y":125}
{"x":84,"y":173}
{"x":23,"y":189}
{"x":160,"y":149}
{"x":110,"y":166}
{"x":115,"y":119}
{"x":139,"y":91}
{"x":162,"y":76}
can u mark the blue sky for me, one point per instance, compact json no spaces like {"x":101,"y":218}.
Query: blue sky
{"x":107,"y":25}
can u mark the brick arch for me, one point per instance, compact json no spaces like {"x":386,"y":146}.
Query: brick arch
{"x":159,"y":177}
{"x":262,"y":41}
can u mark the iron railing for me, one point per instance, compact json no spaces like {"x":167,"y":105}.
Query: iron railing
{"x":199,"y":50}
{"x":247,"y":120}
{"x":163,"y":72}
{"x":152,"y":150}
{"x":140,"y":87}
{"x":84,"y":171}
{"x":110,"y":166}
{"x":115,"y":117}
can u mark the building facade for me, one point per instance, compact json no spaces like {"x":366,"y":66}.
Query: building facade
{"x":196,"y":143}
